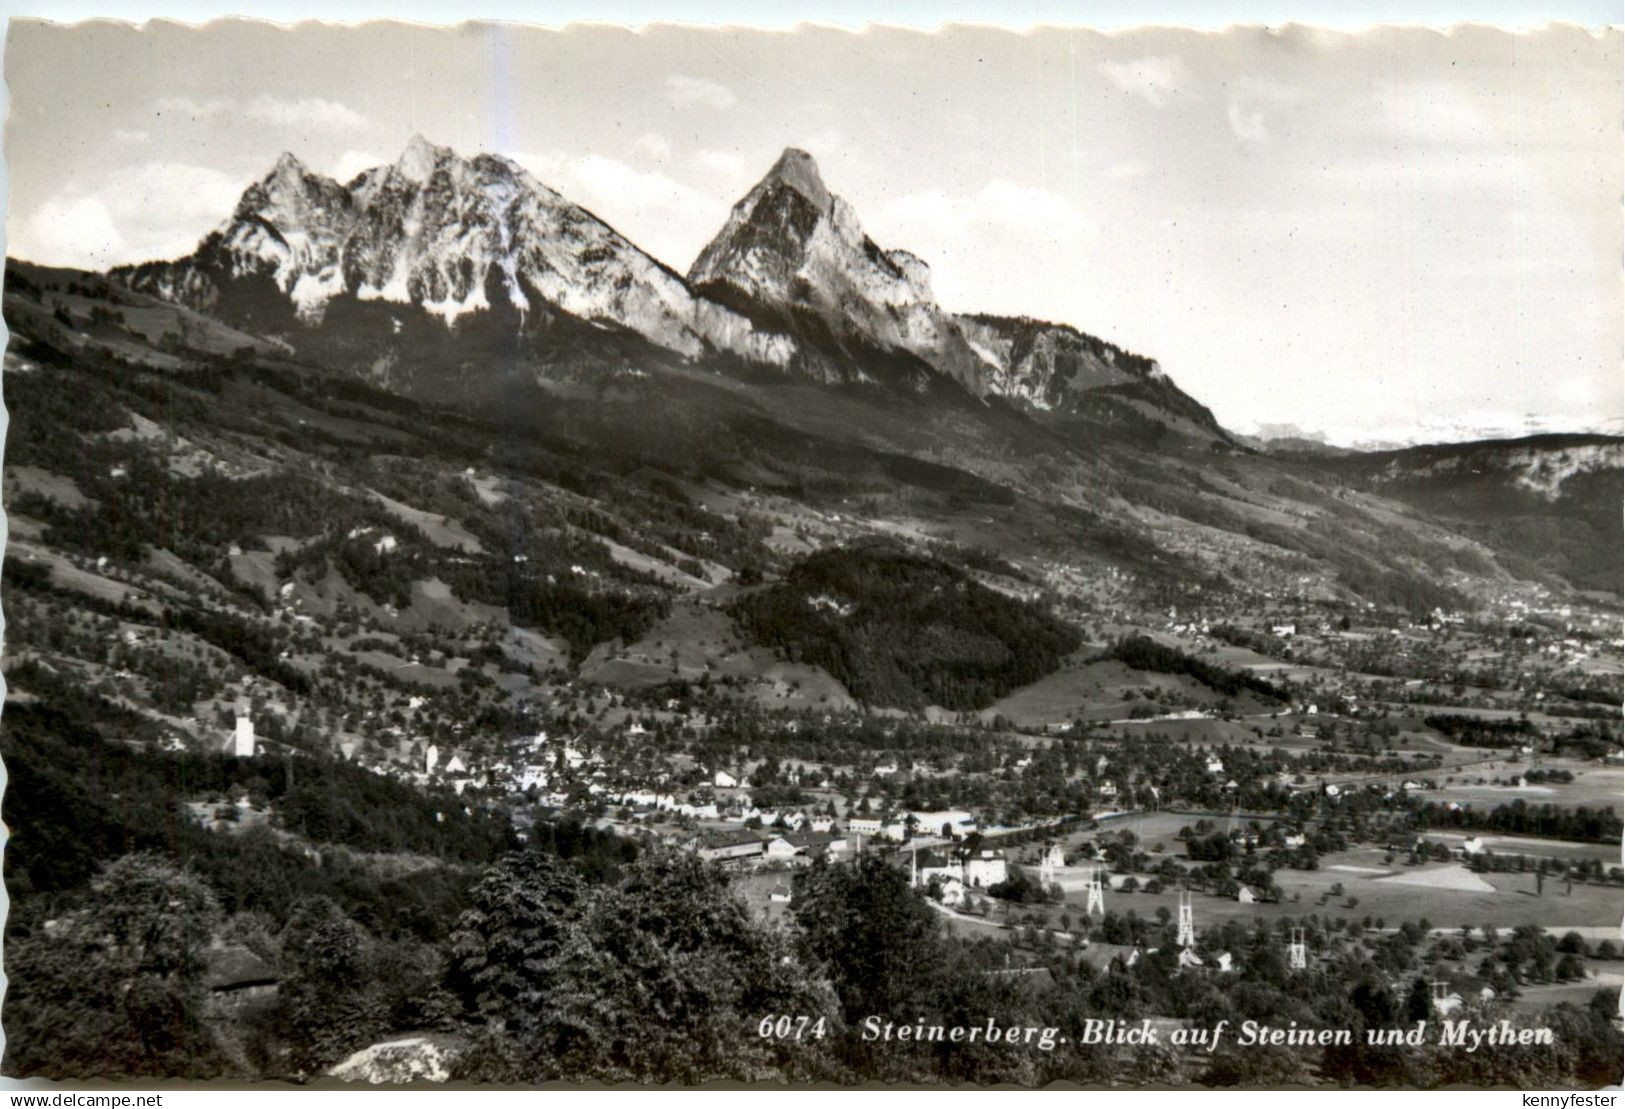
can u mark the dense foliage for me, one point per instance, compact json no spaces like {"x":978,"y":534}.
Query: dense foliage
{"x":904,"y":630}
{"x":1520,"y":818}
{"x":1476,"y":731}
{"x":1142,"y":653}
{"x":659,"y":977}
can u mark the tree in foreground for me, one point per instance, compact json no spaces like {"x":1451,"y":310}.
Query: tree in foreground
{"x":883,"y":949}
{"x":331,"y":1001}
{"x":116,"y":989}
{"x":661,"y":977}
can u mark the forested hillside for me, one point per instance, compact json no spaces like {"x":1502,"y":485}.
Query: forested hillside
{"x":905,"y":630}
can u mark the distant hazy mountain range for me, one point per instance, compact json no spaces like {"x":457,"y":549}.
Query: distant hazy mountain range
{"x":1432,"y":430}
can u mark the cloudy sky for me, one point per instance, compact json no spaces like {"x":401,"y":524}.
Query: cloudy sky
{"x":1382,"y":236}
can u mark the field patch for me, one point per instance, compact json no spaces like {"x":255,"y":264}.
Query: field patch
{"x":1103,"y":690}
{"x":440,"y":530}
{"x":53,"y":486}
{"x":1454,"y":877}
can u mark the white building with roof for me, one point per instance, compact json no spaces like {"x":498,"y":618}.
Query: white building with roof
{"x":242,"y":736}
{"x":986,"y":869}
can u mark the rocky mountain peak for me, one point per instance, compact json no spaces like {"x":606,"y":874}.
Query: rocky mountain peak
{"x":289,"y":181}
{"x":291,"y":219}
{"x":797,"y":252}
{"x":420,"y":159}
{"x":795,"y":248}
{"x":288,"y":165}
{"x":796,"y":169}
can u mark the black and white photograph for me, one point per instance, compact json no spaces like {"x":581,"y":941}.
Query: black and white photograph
{"x":669,"y":555}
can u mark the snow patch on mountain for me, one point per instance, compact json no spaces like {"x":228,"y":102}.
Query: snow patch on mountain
{"x":1544,"y":472}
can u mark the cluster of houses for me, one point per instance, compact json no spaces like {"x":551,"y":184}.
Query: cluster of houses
{"x":956,"y":873}
{"x":954,"y":877}
{"x":747,"y":847}
{"x":797,"y":839}
{"x":545,"y":767}
{"x":919,"y":827}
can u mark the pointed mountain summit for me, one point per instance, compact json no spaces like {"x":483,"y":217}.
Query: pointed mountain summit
{"x":288,"y":165}
{"x":797,"y":254}
{"x":420,"y":158}
{"x":797,"y":169}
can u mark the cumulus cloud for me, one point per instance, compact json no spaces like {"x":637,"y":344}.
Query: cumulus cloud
{"x":994,"y":248}
{"x":188,"y":106}
{"x":724,"y":164}
{"x":305,"y":111}
{"x":1157,"y":78}
{"x":698,"y":92}
{"x":77,"y":232}
{"x":135,"y":214}
{"x":1250,"y":98}
{"x":606,"y":177}
{"x":1247,"y":124}
{"x":1037,"y":211}
{"x":656,"y":211}
{"x":352,"y":162}
{"x":657,"y":147}
{"x":1001,"y":205}
{"x":293,"y":112}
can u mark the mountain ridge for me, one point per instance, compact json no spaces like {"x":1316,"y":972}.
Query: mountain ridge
{"x":511,"y":268}
{"x":441,"y":232}
{"x":794,"y":255}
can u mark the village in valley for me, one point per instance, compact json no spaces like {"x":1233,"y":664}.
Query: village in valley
{"x":1446,"y":771}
